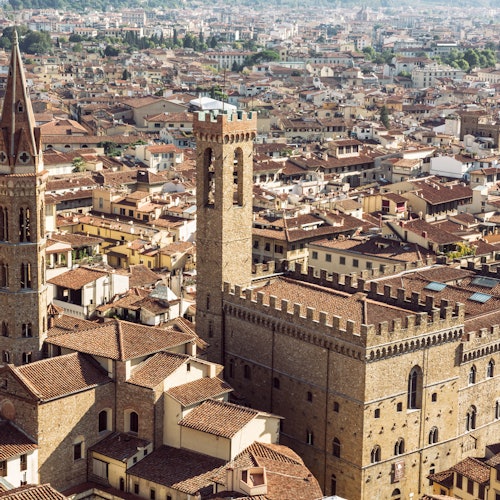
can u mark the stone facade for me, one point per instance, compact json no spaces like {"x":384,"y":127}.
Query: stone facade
{"x":22,"y":232}
{"x":224,"y":201}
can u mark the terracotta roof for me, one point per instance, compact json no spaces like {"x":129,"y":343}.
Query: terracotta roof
{"x":474,"y":469}
{"x":33,"y":492}
{"x":179,"y":469}
{"x":119,"y":446}
{"x":141,"y":275}
{"x":13,"y":442}
{"x":77,"y":278}
{"x":156,"y":369}
{"x":120,"y":340}
{"x":221,"y":419}
{"x":355,"y":307}
{"x":287,"y":476}
{"x":199,"y":390}
{"x":60,"y":376}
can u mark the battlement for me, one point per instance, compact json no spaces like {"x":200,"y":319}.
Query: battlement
{"x":263,"y":269}
{"x":224,"y":116}
{"x":428,"y":325}
{"x":480,"y":343}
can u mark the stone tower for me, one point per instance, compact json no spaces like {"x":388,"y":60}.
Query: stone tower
{"x":224,"y":145}
{"x":22,"y":236}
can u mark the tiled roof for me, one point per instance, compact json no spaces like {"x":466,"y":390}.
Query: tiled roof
{"x":56,"y":377}
{"x":77,"y":278}
{"x":119,"y":446}
{"x":221,"y":419}
{"x":287,"y":476}
{"x":356,"y":307}
{"x":157,"y":368}
{"x":474,"y":469}
{"x":13,"y":442}
{"x":33,"y":492}
{"x":120,"y":340}
{"x":199,"y":390}
{"x":179,"y":469}
{"x":140,"y":275}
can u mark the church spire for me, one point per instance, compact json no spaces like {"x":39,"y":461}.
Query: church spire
{"x":19,"y":138}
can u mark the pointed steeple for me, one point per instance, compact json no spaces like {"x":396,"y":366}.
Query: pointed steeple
{"x":20,"y":147}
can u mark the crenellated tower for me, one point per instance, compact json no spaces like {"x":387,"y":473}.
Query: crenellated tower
{"x":22,"y":235}
{"x":224,"y":145}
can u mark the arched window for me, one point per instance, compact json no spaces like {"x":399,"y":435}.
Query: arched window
{"x":247,"y":372}
{"x":5,"y":329}
{"x":4,"y":224}
{"x":103,"y":420}
{"x":24,"y":224}
{"x":209,"y":178}
{"x":472,"y":375}
{"x":336,"y":448}
{"x":415,"y":388}
{"x":375,"y":454}
{"x":133,"y":422}
{"x":470,"y":419}
{"x":25,"y":275}
{"x":27,"y":330}
{"x":238,"y":177}
{"x":6,"y":356}
{"x":433,"y":435}
{"x":497,"y":409}
{"x":399,"y":447}
{"x":396,"y":494}
{"x":490,"y":369}
{"x":333,"y":485}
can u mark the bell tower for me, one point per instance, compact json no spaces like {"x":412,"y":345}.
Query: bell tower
{"x":224,"y":168}
{"x":23,"y":303}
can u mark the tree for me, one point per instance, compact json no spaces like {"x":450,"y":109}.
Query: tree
{"x":384,"y":116}
{"x":111,"y":51}
{"x":36,"y":42}
{"x":79,"y":164}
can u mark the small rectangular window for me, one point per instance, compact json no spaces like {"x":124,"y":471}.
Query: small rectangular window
{"x":328,"y":257}
{"x":342,"y":261}
{"x":77,"y":451}
{"x":3,"y":468}
{"x":152,"y":494}
{"x":315,"y":255}
{"x":136,"y":488}
{"x":355,"y":263}
{"x":23,"y":459}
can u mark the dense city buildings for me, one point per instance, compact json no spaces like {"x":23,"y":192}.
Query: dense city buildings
{"x":250,"y":253}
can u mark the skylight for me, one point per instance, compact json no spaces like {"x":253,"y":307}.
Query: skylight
{"x":480,"y":297}
{"x":435,"y":286}
{"x":486,"y":282}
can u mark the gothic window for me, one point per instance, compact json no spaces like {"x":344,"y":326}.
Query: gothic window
{"x":415,"y":388}
{"x":24,"y":224}
{"x":6,"y":356}
{"x":433,"y":435}
{"x":399,"y":447}
{"x":490,"y":369}
{"x":375,"y":454}
{"x":470,"y":419}
{"x":336,"y":448}
{"x":4,"y":224}
{"x":396,"y":494}
{"x":25,"y":275}
{"x":472,"y":375}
